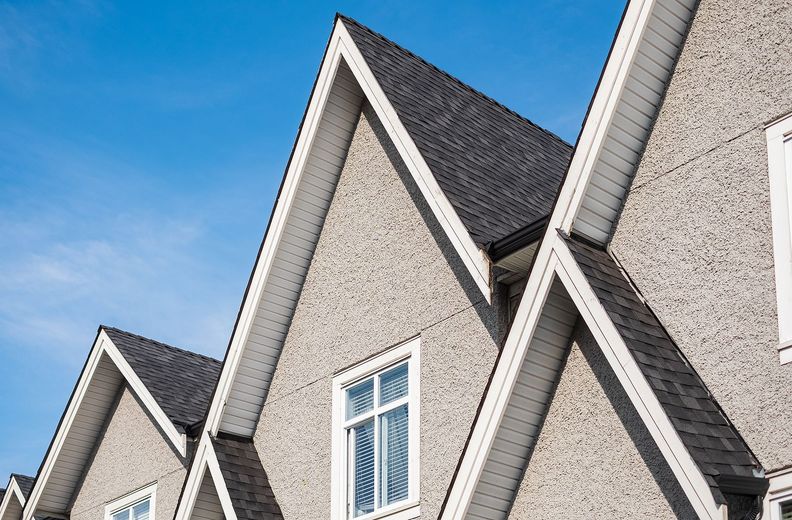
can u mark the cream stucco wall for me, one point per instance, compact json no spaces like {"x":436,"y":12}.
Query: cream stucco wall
{"x":132,"y":453}
{"x":594,"y":457}
{"x":382,"y":273}
{"x":695,"y":233}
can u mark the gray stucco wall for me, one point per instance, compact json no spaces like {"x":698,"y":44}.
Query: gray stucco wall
{"x":382,"y":273}
{"x":132,"y":454}
{"x":695,"y":233}
{"x":594,"y":457}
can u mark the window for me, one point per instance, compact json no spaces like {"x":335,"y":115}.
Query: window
{"x":135,"y":506}
{"x":779,"y":154}
{"x":375,"y":437}
{"x":778,"y":501}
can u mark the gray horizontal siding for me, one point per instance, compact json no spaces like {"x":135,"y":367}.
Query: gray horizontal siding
{"x":293,"y":255}
{"x":635,"y":111}
{"x":522,"y":419}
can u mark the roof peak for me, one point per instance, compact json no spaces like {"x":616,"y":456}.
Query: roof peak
{"x":453,"y":78}
{"x":159,"y":343}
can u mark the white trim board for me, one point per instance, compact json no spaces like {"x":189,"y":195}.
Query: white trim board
{"x":205,"y":459}
{"x":237,"y":403}
{"x":13,"y":491}
{"x":779,"y":156}
{"x":96,"y":380}
{"x":147,"y":492}
{"x":557,"y":261}
{"x":409,"y":508}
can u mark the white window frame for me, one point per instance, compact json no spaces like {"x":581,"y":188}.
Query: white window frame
{"x":779,"y":156}
{"x":779,"y":492}
{"x":149,"y":492}
{"x":406,"y":509}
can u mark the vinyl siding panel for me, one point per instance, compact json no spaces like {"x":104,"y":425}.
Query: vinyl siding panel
{"x":635,"y":111}
{"x":293,"y":256}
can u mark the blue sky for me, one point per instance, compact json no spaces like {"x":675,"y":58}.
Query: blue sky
{"x":142,"y":145}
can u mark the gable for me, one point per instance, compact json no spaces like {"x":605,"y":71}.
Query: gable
{"x":594,"y":457}
{"x":91,"y":405}
{"x":383,"y":273}
{"x":345,"y":79}
{"x":130,"y":455}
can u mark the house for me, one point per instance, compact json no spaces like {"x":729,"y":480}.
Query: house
{"x":456,"y":315}
{"x":408,"y":218}
{"x":14,"y":496}
{"x":409,"y":347}
{"x":127,"y":435}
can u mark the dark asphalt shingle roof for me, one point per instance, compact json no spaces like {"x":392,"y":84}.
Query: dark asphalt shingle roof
{"x":246,"y":480}
{"x":2,"y":494}
{"x":711,"y":439}
{"x":25,"y":483}
{"x":180,"y":381}
{"x":500,"y":171}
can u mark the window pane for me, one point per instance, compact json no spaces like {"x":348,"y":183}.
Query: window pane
{"x":121,"y":515}
{"x":141,"y":511}
{"x":394,"y":451}
{"x":393,"y":384}
{"x":786,"y":510}
{"x":360,"y":399}
{"x":363,"y":470}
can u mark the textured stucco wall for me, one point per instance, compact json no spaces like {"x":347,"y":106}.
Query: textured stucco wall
{"x":695,"y":233}
{"x":594,"y":457}
{"x":132,"y":454}
{"x":382,"y":273}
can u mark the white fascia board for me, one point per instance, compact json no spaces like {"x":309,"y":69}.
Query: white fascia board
{"x":503,"y":380}
{"x":474,"y":258}
{"x":178,"y":439}
{"x":341,"y":46}
{"x":603,"y":108}
{"x":102,"y":345}
{"x":13,"y":491}
{"x":779,"y":156}
{"x":643,"y":398}
{"x":205,"y":459}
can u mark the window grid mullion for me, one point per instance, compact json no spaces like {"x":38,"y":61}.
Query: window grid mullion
{"x":377,"y":434}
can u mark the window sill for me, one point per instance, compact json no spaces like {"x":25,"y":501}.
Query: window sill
{"x":406,"y":511}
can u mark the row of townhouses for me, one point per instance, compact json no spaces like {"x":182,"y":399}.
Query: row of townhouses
{"x":455,"y":314}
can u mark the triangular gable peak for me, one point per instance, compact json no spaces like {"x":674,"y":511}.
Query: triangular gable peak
{"x":227,"y":482}
{"x":119,"y":358}
{"x":462,"y":178}
{"x":14,"y":497}
{"x":617,"y":125}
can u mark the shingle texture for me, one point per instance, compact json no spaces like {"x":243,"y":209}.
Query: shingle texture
{"x":499,"y":171}
{"x":25,"y":484}
{"x":180,"y":381}
{"x":711,"y":439}
{"x":246,"y":481}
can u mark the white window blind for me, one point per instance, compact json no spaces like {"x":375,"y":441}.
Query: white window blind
{"x":377,"y":436}
{"x":786,"y":510}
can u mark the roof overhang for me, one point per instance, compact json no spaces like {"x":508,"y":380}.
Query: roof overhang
{"x":205,"y":484}
{"x":13,"y":501}
{"x":344,"y":81}
{"x":613,"y":136}
{"x":82,"y":422}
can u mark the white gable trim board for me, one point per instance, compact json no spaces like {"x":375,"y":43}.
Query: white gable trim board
{"x":779,"y":156}
{"x":82,"y":422}
{"x":343,"y":82}
{"x":13,"y":492}
{"x":622,"y":112}
{"x":614,"y":133}
{"x":205,"y":464}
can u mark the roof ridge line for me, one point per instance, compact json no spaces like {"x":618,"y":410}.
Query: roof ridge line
{"x":455,"y":79}
{"x":179,"y":349}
